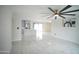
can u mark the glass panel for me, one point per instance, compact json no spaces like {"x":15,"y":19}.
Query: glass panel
{"x":38,"y":28}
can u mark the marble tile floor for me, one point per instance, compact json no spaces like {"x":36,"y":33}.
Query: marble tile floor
{"x":47,"y":45}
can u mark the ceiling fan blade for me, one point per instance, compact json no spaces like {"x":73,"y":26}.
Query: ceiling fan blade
{"x":50,"y":16}
{"x":44,"y":13}
{"x":68,"y":6}
{"x":68,"y":14}
{"x":71,"y":11}
{"x":45,"y":16}
{"x":62,"y":16}
{"x":51,"y":9}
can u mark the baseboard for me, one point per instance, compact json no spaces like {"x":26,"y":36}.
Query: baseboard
{"x":4,"y":52}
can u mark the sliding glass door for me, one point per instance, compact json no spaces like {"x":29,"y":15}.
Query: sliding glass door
{"x":38,"y":28}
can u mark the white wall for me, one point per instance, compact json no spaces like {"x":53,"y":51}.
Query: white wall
{"x":66,"y":33}
{"x":16,"y":22}
{"x":5,"y":29}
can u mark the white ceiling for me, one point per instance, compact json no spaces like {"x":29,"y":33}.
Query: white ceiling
{"x":34,"y":11}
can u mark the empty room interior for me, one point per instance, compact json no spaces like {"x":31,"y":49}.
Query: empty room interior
{"x":39,"y":29}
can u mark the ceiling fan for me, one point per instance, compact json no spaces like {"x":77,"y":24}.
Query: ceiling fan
{"x":62,"y":12}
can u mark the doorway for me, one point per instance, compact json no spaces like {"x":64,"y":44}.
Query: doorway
{"x":38,"y":29}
